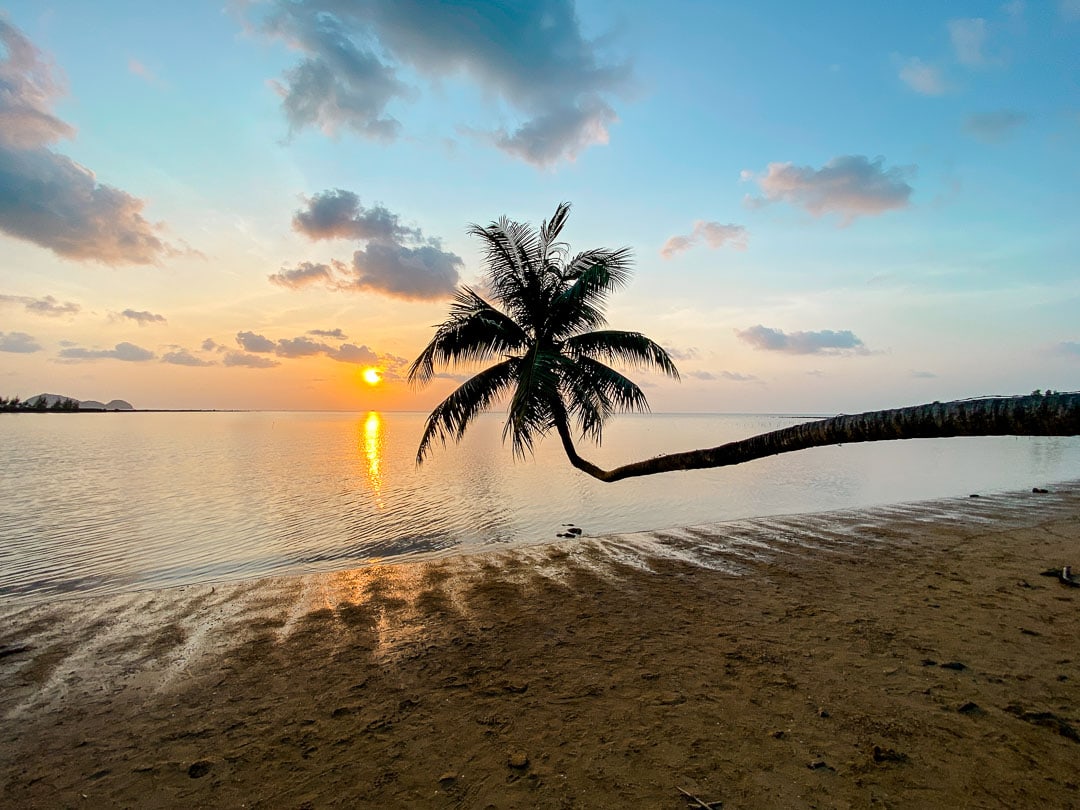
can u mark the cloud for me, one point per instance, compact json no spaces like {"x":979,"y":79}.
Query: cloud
{"x":302,"y":346}
{"x":349,"y":353}
{"x":398,"y":261}
{"x":968,"y":38}
{"x":848,"y":185}
{"x":922,"y":78}
{"x":211,"y":345}
{"x":137,"y":68}
{"x":234,"y":359}
{"x":299,"y":347}
{"x":826,"y":341}
{"x":338,"y":214}
{"x":128,"y":352}
{"x":18,"y":343}
{"x":47,"y":306}
{"x":47,"y":198}
{"x":305,"y":274}
{"x":1070,"y":9}
{"x":182,"y":357}
{"x":560,"y":134}
{"x":993,"y":127}
{"x":337,"y":334}
{"x":1070,"y":348}
{"x":415,"y":274}
{"x":682,"y":354}
{"x":530,"y":58}
{"x":735,"y":376}
{"x":713,"y":234}
{"x":1014,"y":8}
{"x":250,"y":342}
{"x":923,"y":375}
{"x":142,"y":317}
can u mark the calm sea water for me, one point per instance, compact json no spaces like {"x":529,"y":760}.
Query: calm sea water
{"x":98,"y":503}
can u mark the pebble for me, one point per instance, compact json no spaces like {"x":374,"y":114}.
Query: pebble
{"x":518,"y":759}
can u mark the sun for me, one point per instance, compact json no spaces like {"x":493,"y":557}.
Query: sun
{"x":371,"y":376}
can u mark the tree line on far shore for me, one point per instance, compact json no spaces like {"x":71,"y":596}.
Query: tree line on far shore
{"x":37,"y":405}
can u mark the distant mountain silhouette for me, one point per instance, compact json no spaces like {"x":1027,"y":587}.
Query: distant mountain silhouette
{"x":84,"y":405}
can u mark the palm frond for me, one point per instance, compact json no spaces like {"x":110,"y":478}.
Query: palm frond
{"x":631,"y":349}
{"x":579,"y":305}
{"x":453,"y":415}
{"x":529,"y":415}
{"x":474,"y":332}
{"x":595,"y":391}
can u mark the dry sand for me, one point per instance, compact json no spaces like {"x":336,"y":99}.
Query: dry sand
{"x":897,"y":657}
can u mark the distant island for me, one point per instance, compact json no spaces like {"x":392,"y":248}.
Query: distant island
{"x":43,"y":403}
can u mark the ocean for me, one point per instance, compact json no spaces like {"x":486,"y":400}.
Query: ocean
{"x":105,"y":503}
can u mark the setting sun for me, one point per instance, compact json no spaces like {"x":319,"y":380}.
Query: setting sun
{"x":371,"y":376}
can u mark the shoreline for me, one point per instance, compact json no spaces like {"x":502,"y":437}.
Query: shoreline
{"x":770,"y":662}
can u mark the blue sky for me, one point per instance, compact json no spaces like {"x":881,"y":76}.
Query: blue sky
{"x":833,"y":206}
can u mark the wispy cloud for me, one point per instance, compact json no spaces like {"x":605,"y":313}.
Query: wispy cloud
{"x":850,"y":185}
{"x":731,"y":376}
{"x":1069,"y":9}
{"x":714,"y":234}
{"x":993,"y":127}
{"x":923,"y":375}
{"x":47,"y":306}
{"x":18,"y":343}
{"x":1070,"y":348}
{"x":336,"y":334}
{"x":142,"y":317}
{"x":923,"y":78}
{"x":826,"y":341}
{"x":127,"y":352}
{"x":968,"y":37}
{"x":530,"y":57}
{"x":47,"y":198}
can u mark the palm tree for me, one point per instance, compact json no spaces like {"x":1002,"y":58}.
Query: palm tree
{"x":546,"y":334}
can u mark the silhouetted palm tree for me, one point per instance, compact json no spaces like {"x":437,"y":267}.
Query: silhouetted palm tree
{"x":546,"y":334}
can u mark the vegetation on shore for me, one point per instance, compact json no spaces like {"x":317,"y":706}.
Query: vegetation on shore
{"x":37,"y":405}
{"x":549,"y":364}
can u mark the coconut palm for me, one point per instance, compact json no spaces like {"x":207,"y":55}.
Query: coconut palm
{"x":545,"y":333}
{"x":552,"y":366}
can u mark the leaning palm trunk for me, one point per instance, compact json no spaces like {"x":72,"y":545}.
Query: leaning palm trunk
{"x":1033,"y":415}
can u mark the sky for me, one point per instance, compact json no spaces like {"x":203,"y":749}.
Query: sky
{"x":833,"y":206}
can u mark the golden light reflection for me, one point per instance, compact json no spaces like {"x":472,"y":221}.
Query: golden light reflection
{"x":373,"y":451}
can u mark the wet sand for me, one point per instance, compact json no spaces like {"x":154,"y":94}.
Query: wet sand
{"x":896,"y":657}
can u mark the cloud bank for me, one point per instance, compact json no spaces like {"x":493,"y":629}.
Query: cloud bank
{"x":825,"y":341}
{"x":47,"y":198}
{"x":531,"y":58}
{"x":302,"y":346}
{"x":714,"y":234}
{"x":850,"y":185}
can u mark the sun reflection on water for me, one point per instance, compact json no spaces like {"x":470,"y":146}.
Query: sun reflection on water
{"x":373,"y":450}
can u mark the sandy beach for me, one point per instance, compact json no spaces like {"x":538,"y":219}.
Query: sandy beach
{"x":907,"y":656}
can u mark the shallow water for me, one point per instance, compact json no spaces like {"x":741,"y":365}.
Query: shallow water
{"x":97,"y":503}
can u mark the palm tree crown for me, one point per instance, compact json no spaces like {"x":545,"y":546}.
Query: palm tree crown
{"x":546,"y":333}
